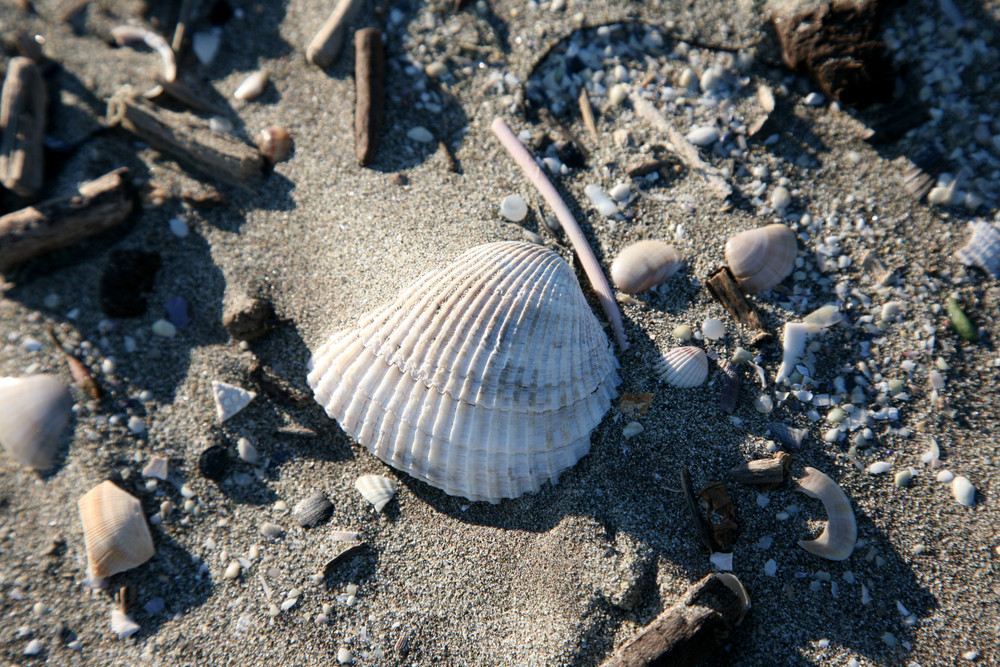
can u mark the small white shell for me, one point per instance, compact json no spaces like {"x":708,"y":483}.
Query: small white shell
{"x":122,"y":624}
{"x":683,"y":367}
{"x":644,"y":265}
{"x":713,"y":328}
{"x":252,"y":87}
{"x":824,"y":316}
{"x":837,"y":540}
{"x":376,"y":489}
{"x":878,"y":468}
{"x":34,"y":411}
{"x":114,"y":530}
{"x":230,"y":399}
{"x":763,"y":257}
{"x":156,"y":468}
{"x":632,"y":429}
{"x":963,"y":491}
{"x":982,"y":249}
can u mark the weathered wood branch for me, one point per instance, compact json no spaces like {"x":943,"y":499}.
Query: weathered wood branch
{"x":369,"y":82}
{"x":723,"y":287}
{"x":22,"y":127}
{"x":325,"y":46}
{"x":98,"y":205}
{"x":691,"y":630}
{"x":763,"y":472}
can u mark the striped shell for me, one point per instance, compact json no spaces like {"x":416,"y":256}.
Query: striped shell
{"x":982,"y":249}
{"x":114,"y":529}
{"x":34,"y":411}
{"x":683,"y":367}
{"x":761,"y":258}
{"x":645,"y":265}
{"x":376,"y":489}
{"x":483,"y":379}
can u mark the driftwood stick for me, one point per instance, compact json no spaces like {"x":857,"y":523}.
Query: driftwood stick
{"x":691,"y":630}
{"x":590,"y":264}
{"x":22,"y":125}
{"x":187,"y":138}
{"x":369,"y":82}
{"x":723,"y":287}
{"x":99,"y":205}
{"x":763,"y":472}
{"x":681,"y":147}
{"x":587,"y":112}
{"x":325,"y":46}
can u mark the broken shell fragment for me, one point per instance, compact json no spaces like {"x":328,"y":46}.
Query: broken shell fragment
{"x":794,"y":347}
{"x":761,"y":258}
{"x":644,"y":265}
{"x":34,"y":411}
{"x":230,"y":399}
{"x":836,"y":542}
{"x":982,"y":249}
{"x":376,"y":489}
{"x":122,"y":624}
{"x":730,"y":390}
{"x":114,"y":530}
{"x":274,"y":143}
{"x":683,"y":367}
{"x":483,"y":379}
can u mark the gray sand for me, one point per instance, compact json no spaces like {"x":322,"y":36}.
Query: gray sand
{"x":561,"y":577}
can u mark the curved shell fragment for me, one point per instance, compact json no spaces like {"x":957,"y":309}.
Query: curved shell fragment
{"x":34,"y":411}
{"x":376,"y":489}
{"x":763,"y":257}
{"x":837,"y":540}
{"x":982,"y":249}
{"x":644,"y":265}
{"x":683,"y":367}
{"x":114,"y":530}
{"x":483,"y":379}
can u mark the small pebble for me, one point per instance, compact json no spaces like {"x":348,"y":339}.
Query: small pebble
{"x":213,"y":463}
{"x":604,"y":204}
{"x":878,"y":468}
{"x":344,"y":656}
{"x":903,"y":478}
{"x":252,"y":87}
{"x":164,"y":329}
{"x":945,"y":476}
{"x":963,"y":491}
{"x":620,"y":192}
{"x":136,"y":425}
{"x":632,"y":429}
{"x":711,"y":79}
{"x":763,"y":404}
{"x":34,"y":647}
{"x":814,"y":99}
{"x":421,"y":134}
{"x":688,"y":79}
{"x":618,"y":93}
{"x":703,"y":136}
{"x":514,"y":208}
{"x":51,"y":301}
{"x":780,"y":199}
{"x":271,"y":530}
{"x":771,"y":568}
{"x":683,"y":332}
{"x":233,"y":571}
{"x":436,"y":69}
{"x":247,"y":451}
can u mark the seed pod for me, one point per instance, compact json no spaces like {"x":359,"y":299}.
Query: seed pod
{"x":960,"y":321}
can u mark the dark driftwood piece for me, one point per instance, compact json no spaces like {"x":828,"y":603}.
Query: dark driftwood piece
{"x":700,"y":525}
{"x":723,"y":287}
{"x":325,"y":46}
{"x":369,"y":83}
{"x":721,"y":515}
{"x":22,"y":126}
{"x":699,"y":624}
{"x":98,"y":205}
{"x":767,"y":473}
{"x":837,"y":45}
{"x":187,"y":138}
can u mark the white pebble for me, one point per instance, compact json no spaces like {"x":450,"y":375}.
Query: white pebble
{"x":723,"y":562}
{"x":939,"y":195}
{"x":164,"y":329}
{"x":618,"y":93}
{"x":421,"y":134}
{"x":814,"y":99}
{"x":604,"y":204}
{"x":890,"y":310}
{"x":136,"y":425}
{"x":252,"y":87}
{"x":34,"y":647}
{"x":344,"y":656}
{"x":247,"y":451}
{"x":763,"y":404}
{"x":878,"y":468}
{"x":688,"y":79}
{"x":271,"y":530}
{"x":514,"y":208}
{"x":233,"y":571}
{"x":710,"y":79}
{"x":621,"y":192}
{"x":178,"y":227}
{"x":682,"y":332}
{"x":963,"y":491}
{"x":713,"y":328}
{"x":632,"y":429}
{"x":780,"y":199}
{"x":206,"y":44}
{"x":945,"y":476}
{"x":771,"y":568}
{"x":703,"y":136}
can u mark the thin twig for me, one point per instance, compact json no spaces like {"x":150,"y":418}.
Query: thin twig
{"x":587,"y":112}
{"x":592,"y":267}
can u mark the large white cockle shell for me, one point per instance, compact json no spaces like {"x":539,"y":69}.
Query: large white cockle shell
{"x":484,"y":378}
{"x":683,"y":367}
{"x":34,"y":411}
{"x":114,"y":529}
{"x":763,"y":257}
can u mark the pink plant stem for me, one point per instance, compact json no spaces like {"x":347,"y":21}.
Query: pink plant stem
{"x":590,"y":264}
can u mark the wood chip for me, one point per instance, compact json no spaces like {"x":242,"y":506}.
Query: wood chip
{"x":98,"y":205}
{"x":723,"y":287}
{"x":187,"y":138}
{"x":369,"y":81}
{"x":587,"y":111}
{"x":765,"y":473}
{"x":22,"y":127}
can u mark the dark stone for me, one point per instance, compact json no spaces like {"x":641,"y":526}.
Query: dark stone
{"x":128,"y":274}
{"x":214,"y":462}
{"x":248,"y":318}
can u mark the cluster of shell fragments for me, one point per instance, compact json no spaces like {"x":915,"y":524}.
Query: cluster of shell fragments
{"x":484,"y":378}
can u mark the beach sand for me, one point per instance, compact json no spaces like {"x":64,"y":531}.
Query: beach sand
{"x":560,"y":577}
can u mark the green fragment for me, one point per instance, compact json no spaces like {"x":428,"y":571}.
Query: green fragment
{"x":961,"y":323}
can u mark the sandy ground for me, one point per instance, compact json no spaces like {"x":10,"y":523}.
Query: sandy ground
{"x":561,"y":577}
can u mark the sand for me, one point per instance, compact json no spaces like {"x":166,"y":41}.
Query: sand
{"x":561,"y":577}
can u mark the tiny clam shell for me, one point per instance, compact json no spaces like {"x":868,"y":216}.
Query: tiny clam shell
{"x":683,"y":367}
{"x":763,"y":257}
{"x":114,"y":529}
{"x":644,"y":265}
{"x":963,"y":491}
{"x":982,"y":249}
{"x":274,"y":143}
{"x":34,"y":412}
{"x":376,"y":489}
{"x":313,"y":510}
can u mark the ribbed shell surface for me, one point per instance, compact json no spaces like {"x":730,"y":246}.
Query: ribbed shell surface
{"x":114,"y":530}
{"x":484,"y":378}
